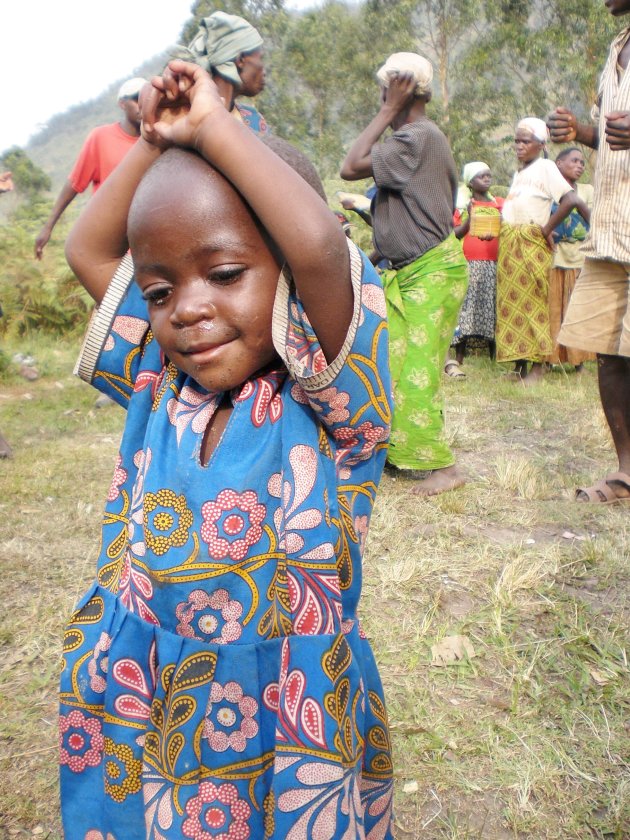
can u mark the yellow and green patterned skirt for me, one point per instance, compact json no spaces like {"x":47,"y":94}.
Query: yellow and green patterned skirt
{"x":423,"y":303}
{"x":522,"y":294}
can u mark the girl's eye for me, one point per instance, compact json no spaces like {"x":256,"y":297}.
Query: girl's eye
{"x":226,"y":275}
{"x":156,"y":296}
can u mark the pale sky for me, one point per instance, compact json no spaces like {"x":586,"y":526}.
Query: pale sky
{"x":59,"y":53}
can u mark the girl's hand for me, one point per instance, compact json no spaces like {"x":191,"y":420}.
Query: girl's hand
{"x":178,"y":103}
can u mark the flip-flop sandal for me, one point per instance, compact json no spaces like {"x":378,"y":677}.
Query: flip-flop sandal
{"x":452,"y":369}
{"x":602,"y":492}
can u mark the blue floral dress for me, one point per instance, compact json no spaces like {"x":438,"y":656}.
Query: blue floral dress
{"x":216,"y":681}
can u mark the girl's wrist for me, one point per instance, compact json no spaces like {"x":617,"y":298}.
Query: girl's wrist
{"x":209,"y":127}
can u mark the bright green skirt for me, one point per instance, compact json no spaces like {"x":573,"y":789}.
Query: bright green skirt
{"x":423,"y":303}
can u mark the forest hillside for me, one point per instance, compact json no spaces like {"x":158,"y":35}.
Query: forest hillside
{"x":495,"y":61}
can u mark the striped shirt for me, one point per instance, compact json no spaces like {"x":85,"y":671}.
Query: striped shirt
{"x":412,"y":210}
{"x":609,"y":236}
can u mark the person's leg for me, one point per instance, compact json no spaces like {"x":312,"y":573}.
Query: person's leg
{"x":613,"y":373}
{"x":460,"y":351}
{"x":534,"y":375}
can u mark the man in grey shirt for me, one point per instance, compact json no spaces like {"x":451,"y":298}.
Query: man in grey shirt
{"x":412,"y":216}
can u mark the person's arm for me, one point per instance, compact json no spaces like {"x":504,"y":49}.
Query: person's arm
{"x":567,"y":203}
{"x":583,"y":209}
{"x":348,"y":204}
{"x":98,"y":241}
{"x":65,"y":197}
{"x":564,"y":128}
{"x":358,"y":162}
{"x":313,"y":245}
{"x":461,"y":226}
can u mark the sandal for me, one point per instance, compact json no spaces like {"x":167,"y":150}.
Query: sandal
{"x":452,"y":369}
{"x":603,"y":492}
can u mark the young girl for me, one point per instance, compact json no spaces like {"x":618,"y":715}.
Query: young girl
{"x":477,"y":316}
{"x":216,"y":681}
{"x":525,"y":252}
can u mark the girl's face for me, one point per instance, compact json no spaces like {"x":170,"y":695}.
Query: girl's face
{"x":481,"y":183}
{"x":207,"y":274}
{"x":526,"y":145}
{"x":572,"y":165}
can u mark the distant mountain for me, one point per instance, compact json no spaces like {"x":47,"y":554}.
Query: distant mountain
{"x":55,"y":147}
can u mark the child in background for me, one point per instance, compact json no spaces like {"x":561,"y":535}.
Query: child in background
{"x":477,"y":317}
{"x":216,"y":680}
{"x":568,"y":258}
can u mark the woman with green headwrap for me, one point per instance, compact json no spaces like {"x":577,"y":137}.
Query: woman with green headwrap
{"x":230,"y":49}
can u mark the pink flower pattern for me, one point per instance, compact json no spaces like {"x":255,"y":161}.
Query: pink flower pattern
{"x":80,"y":741}
{"x":217,"y":808}
{"x":232,"y":524}
{"x":230,"y":717}
{"x":206,"y":607}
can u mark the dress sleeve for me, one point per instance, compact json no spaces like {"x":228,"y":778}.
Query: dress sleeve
{"x":351,"y":396}
{"x":396,"y":159}
{"x":119,"y":354}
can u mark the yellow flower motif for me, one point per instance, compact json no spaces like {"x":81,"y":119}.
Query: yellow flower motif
{"x":164,"y":520}
{"x":420,"y":418}
{"x":418,"y":335}
{"x":418,"y":295}
{"x":419,"y":377}
{"x":399,"y":437}
{"x":437,"y":316}
{"x":397,"y":347}
{"x":132,"y":767}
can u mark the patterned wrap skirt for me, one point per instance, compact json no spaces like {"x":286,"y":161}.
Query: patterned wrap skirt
{"x":522,"y":294}
{"x":561,"y":285}
{"x":423,"y":303}
{"x":478,"y":314}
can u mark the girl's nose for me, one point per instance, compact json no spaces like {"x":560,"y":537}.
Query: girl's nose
{"x":193,"y":303}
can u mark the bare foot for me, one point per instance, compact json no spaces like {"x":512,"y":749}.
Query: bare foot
{"x":439,"y":481}
{"x":535,"y":376}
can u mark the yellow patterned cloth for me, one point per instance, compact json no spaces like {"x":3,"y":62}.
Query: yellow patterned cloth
{"x":522,"y":294}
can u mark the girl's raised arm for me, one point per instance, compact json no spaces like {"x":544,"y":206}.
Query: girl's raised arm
{"x":302,"y":226}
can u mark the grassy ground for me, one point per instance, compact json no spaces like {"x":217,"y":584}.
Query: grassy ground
{"x":526,"y":736}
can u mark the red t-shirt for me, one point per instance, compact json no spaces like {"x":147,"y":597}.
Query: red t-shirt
{"x":102,"y":151}
{"x":475,"y":248}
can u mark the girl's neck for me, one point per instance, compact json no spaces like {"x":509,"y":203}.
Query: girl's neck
{"x":481,"y":196}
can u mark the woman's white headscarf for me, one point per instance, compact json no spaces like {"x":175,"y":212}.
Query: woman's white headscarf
{"x":406,"y":62}
{"x":464,"y":193}
{"x":471,"y":170}
{"x":536,"y":127}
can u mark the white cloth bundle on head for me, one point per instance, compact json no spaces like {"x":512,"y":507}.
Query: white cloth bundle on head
{"x":471,"y":170}
{"x":537,"y":127}
{"x":406,"y":62}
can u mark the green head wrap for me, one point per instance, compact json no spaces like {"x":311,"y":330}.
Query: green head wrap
{"x":220,"y":40}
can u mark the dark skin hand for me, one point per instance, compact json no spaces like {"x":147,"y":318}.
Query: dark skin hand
{"x":618,"y":130}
